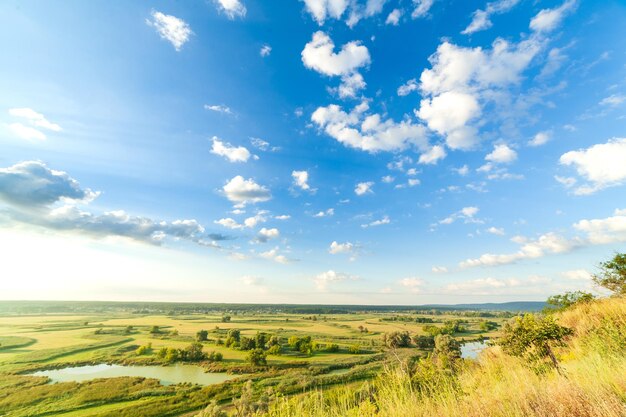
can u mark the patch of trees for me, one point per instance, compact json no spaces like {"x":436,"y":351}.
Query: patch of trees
{"x":202,"y":336}
{"x":408,"y":319}
{"x":487,"y":326}
{"x":450,"y":327}
{"x":564,"y":301}
{"x":533,"y":338}
{"x":612,"y":275}
{"x":192,"y":353}
{"x":302,"y":344}
{"x":397,"y":339}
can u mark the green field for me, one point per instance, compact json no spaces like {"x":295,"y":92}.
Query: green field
{"x":346,"y":347}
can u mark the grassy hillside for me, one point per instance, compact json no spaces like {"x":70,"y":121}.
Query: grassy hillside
{"x":592,"y":384}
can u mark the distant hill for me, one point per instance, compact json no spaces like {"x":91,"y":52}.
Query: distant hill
{"x":52,"y":307}
{"x":509,"y":306}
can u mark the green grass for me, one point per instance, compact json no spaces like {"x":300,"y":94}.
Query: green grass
{"x":34,"y":342}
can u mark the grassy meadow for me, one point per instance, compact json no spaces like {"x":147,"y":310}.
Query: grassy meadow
{"x":346,"y":349}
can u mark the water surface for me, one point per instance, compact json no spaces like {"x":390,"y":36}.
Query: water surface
{"x":167,"y":375}
{"x":470,"y":350}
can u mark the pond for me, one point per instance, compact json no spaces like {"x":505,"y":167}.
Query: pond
{"x":470,"y":350}
{"x":167,"y":375}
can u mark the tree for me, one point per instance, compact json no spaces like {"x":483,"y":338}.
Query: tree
{"x":155,"y":330}
{"x":260,"y":339}
{"x":533,"y":337}
{"x":447,"y":351}
{"x":397,"y":339}
{"x":487,"y":325}
{"x":612,"y":274}
{"x":232,"y":338}
{"x":257,"y":357}
{"x":424,"y":342}
{"x":563,"y":301}
{"x":246,"y":343}
{"x":225,"y":319}
{"x":215,"y":356}
{"x":192,"y":353}
{"x":202,"y":336}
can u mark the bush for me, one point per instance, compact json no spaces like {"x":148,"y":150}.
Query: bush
{"x":397,"y":339}
{"x":354,"y":349}
{"x":257,"y":357}
{"x":331,"y":348}
{"x":214,"y":356}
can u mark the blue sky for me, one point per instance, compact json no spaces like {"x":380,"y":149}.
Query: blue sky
{"x":322,"y":151}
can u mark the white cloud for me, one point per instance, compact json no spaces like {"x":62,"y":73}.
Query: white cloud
{"x":368,"y":132}
{"x":413,"y":284}
{"x":463,"y":80}
{"x":301,"y":180}
{"x":322,"y":9}
{"x":601,"y":165}
{"x":449,"y":111}
{"x":408,"y":87}
{"x":379,"y":222}
{"x":232,"y":153}
{"x":228,"y":223}
{"x":422,"y":7}
{"x":33,"y":193}
{"x":323,"y":280}
{"x":26,"y":132}
{"x":501,"y":154}
{"x":577,"y":275}
{"x":327,"y":213}
{"x":232,"y":8}
{"x":567,"y":182}
{"x":613,"y":100}
{"x":480,"y":18}
{"x":493,"y":286}
{"x":265,"y":235}
{"x":34,"y":118}
{"x":433,"y":155}
{"x":174,"y":30}
{"x":265,"y":50}
{"x":337,"y":248}
{"x":31,"y":184}
{"x":463,"y":171}
{"x":604,"y":231}
{"x":439,"y":269}
{"x":387,"y":179}
{"x":319,"y":55}
{"x":242,"y":191}
{"x":219,"y":108}
{"x":540,"y":138}
{"x":548,"y":243}
{"x":350,"y":85}
{"x":252,"y":281}
{"x":394,"y":17}
{"x":363,"y":188}
{"x":263,"y":145}
{"x":253,"y":221}
{"x":274,"y":255}
{"x":548,"y":19}
{"x":283,"y":217}
{"x":496,"y":231}
{"x":467,"y":214}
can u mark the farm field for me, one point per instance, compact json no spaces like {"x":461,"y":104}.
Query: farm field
{"x":298,"y":353}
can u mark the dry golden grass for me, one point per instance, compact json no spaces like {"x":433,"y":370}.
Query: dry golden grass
{"x":593,"y":384}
